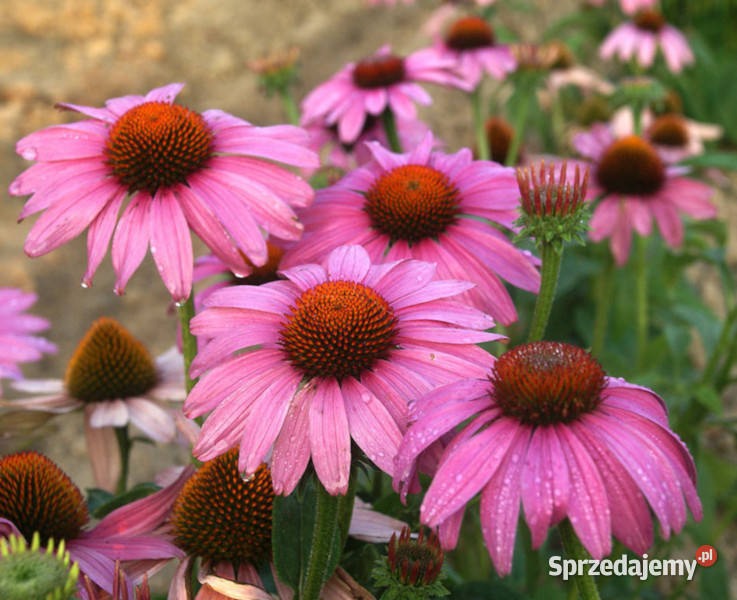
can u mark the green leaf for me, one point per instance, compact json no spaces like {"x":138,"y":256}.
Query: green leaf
{"x":104,"y":506}
{"x":708,"y":398}
{"x":716,"y":160}
{"x":97,"y":498}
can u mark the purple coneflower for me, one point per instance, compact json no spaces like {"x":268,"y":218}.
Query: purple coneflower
{"x":114,"y":379}
{"x":430,"y":206}
{"x":37,"y":496}
{"x":370,"y":86}
{"x":17,"y":343}
{"x":641,"y":38}
{"x":637,"y":186}
{"x":339,"y":352}
{"x":210,"y":172}
{"x":550,"y":429}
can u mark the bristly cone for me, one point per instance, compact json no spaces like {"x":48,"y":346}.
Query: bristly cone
{"x":553,"y":211}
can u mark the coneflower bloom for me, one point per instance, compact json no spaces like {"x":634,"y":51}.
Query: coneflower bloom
{"x":339,"y":352}
{"x":550,"y":429}
{"x":430,"y":206}
{"x":113,"y":378}
{"x":674,"y":136}
{"x":17,"y":342}
{"x":469,"y":43}
{"x":210,"y":172}
{"x":37,"y":496}
{"x":226,"y":520}
{"x":636,"y":186}
{"x":372,"y":85}
{"x":641,"y":38}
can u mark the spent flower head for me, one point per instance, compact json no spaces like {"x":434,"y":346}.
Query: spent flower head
{"x":553,"y":207}
{"x":278,"y":71}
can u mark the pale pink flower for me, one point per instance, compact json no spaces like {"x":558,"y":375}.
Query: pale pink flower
{"x":339,"y":352}
{"x":372,"y":85}
{"x":430,"y":206}
{"x":181,"y":170}
{"x":46,"y":500}
{"x":632,"y":6}
{"x":549,"y":429}
{"x":114,"y":380}
{"x":673,"y":135}
{"x":17,"y":342}
{"x":636,"y":185}
{"x":470,"y":45}
{"x":641,"y":39}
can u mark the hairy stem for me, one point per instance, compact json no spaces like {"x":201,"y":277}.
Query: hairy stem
{"x":189,"y":341}
{"x":550,"y":270}
{"x":604,"y":289}
{"x":390,"y":127}
{"x":575,"y":550}
{"x":124,"y":445}
{"x":482,"y":141}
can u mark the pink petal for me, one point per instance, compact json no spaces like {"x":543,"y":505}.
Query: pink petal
{"x":371,"y":425}
{"x":668,"y":220}
{"x":500,"y":501}
{"x":99,"y":234}
{"x":171,"y":245}
{"x":150,"y":418}
{"x":466,"y":470}
{"x":102,"y":448}
{"x":292,"y":446}
{"x":110,"y":413}
{"x":131,"y":239}
{"x":348,"y":263}
{"x":588,"y":506}
{"x":330,"y":438}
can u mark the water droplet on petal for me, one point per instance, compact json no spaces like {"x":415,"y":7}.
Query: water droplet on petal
{"x":29,"y":153}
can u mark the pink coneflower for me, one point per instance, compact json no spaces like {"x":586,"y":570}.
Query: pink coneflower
{"x":469,"y":43}
{"x":637,"y":186}
{"x":114,"y":379}
{"x":641,"y":37}
{"x":341,"y":350}
{"x":549,"y":428}
{"x":37,"y":496}
{"x":372,"y":85}
{"x":430,"y":206}
{"x":226,"y":520}
{"x":17,"y":343}
{"x":181,"y":170}
{"x":674,"y":136}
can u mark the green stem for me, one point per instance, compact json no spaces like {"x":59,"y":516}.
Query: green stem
{"x":637,"y":109}
{"x":290,"y":106}
{"x":189,"y":341}
{"x":390,"y":127}
{"x":641,"y":298}
{"x":332,"y":519}
{"x":519,"y":126}
{"x":550,"y":269}
{"x":723,"y":377}
{"x":482,"y":141}
{"x":721,"y":346}
{"x":604,"y":289}
{"x":124,"y":444}
{"x":575,"y":550}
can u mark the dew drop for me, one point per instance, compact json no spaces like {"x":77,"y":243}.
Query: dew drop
{"x":29,"y":153}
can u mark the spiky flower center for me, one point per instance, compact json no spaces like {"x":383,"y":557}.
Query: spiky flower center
{"x":415,"y":562}
{"x":378,"y":71}
{"x":631,"y":166}
{"x":35,"y":573}
{"x":157,"y":144}
{"x":412,"y":202}
{"x":109,"y":363}
{"x":669,"y":130}
{"x":37,"y":495}
{"x":499,"y":133}
{"x":543,"y":383}
{"x":220,"y":516}
{"x":545,"y":193}
{"x":469,"y":33}
{"x":649,"y":20}
{"x":338,"y":329}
